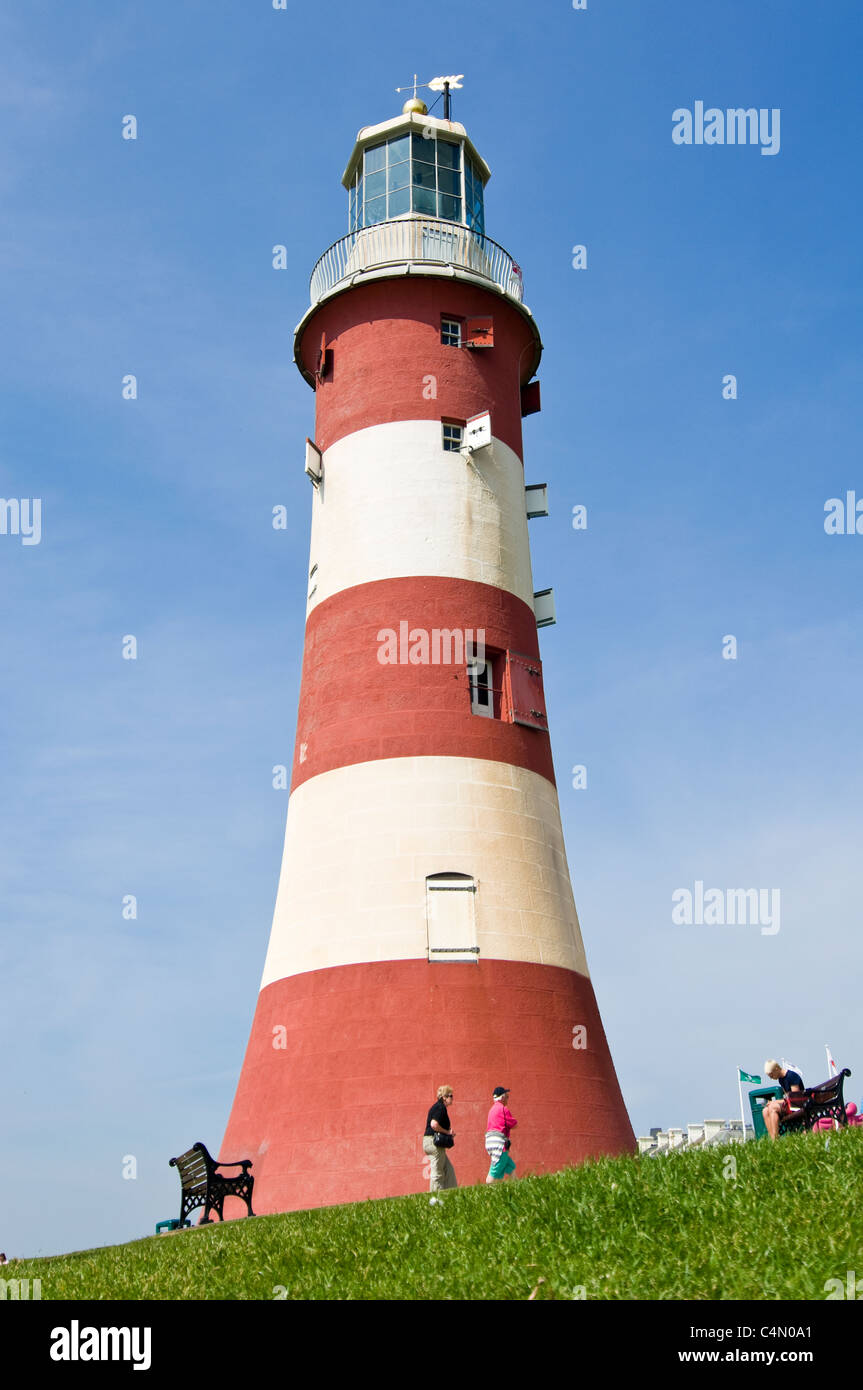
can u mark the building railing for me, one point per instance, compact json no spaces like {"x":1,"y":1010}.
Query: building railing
{"x":426,"y":240}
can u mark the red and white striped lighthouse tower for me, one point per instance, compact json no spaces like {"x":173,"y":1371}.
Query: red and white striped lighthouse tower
{"x":425,"y":930}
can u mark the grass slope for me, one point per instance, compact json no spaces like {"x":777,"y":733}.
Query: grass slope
{"x":681,"y":1227}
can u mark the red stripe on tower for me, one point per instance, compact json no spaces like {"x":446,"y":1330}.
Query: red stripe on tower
{"x":338,"y":1123}
{"x":386,"y":675}
{"x":389,"y":363}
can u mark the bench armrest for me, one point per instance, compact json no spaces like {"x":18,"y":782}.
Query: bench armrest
{"x":243,"y":1163}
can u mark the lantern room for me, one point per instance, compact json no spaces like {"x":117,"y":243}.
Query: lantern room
{"x":415,"y":164}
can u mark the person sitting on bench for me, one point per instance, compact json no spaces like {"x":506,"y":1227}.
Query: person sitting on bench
{"x":775,"y":1110}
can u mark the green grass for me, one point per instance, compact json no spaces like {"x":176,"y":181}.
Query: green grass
{"x":624,"y":1228}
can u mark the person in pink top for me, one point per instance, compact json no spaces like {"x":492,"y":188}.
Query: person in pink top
{"x":499,"y":1125}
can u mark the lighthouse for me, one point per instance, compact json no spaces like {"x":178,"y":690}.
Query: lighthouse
{"x":425,"y":930}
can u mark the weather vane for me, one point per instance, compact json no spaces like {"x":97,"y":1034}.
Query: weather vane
{"x":438,"y":84}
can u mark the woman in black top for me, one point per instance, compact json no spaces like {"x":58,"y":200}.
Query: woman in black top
{"x":441,"y":1171}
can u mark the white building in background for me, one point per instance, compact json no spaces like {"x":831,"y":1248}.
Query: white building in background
{"x":705,"y":1135}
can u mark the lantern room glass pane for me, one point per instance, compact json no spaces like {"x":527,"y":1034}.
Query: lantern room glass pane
{"x":423,"y":175}
{"x":448,"y":154}
{"x":376,"y":184}
{"x":376,"y":210}
{"x":474,"y":191}
{"x":449,"y":207}
{"x":424,"y":200}
{"x":376,"y":158}
{"x":400,"y":202}
{"x":448,"y":181}
{"x":399,"y":175}
{"x":423,"y":149}
{"x":399,"y":149}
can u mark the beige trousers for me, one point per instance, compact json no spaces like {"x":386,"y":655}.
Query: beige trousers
{"x":442,"y":1171}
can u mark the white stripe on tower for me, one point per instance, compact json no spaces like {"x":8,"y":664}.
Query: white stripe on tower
{"x":394,"y":503}
{"x":362,"y":839}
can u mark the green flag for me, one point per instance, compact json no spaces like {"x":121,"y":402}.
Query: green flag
{"x":744,"y":1076}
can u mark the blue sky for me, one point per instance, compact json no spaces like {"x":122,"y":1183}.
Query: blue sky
{"x":705,"y":518}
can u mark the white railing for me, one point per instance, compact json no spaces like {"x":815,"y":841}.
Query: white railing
{"x":415,"y":239}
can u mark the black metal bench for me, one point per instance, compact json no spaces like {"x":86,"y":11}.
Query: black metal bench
{"x":203,"y":1186}
{"x":824,"y":1101}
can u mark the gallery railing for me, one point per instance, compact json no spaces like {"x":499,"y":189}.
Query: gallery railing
{"x":415,"y":240}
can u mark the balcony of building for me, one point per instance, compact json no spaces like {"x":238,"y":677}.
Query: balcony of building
{"x":415,"y":245}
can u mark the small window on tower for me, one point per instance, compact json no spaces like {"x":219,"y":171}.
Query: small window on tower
{"x":450,"y":332}
{"x":451,"y":917}
{"x":481,"y":674}
{"x":452,"y":436}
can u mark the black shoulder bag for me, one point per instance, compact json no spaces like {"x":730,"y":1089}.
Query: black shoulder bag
{"x":443,"y":1141}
